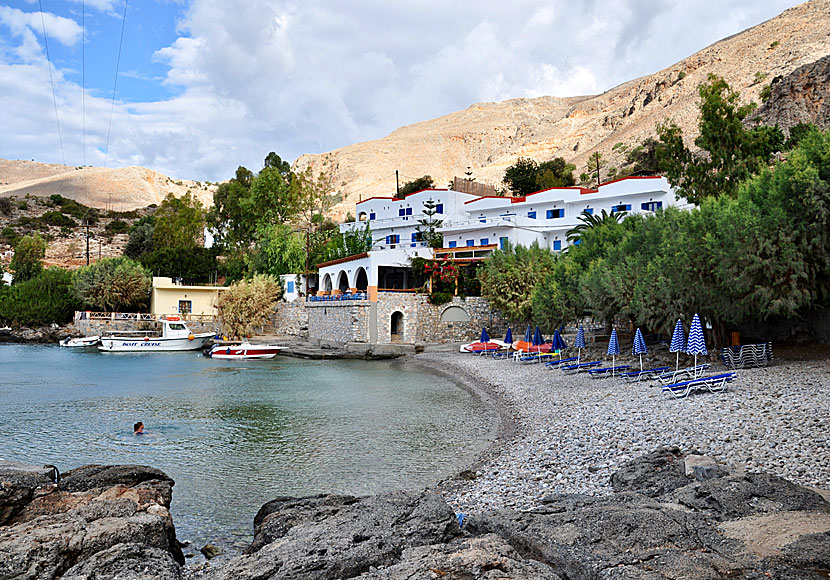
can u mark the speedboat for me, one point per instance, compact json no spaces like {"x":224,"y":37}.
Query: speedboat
{"x":80,"y":341}
{"x":244,"y":350}
{"x":479,"y":347}
{"x":175,"y":335}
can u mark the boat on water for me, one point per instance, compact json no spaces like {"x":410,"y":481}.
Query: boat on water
{"x":175,"y":335}
{"x":244,"y":350}
{"x":80,"y":341}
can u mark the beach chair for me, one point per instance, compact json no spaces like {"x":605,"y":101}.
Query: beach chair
{"x":533,"y":358}
{"x":580,"y":368}
{"x":607,"y":371}
{"x":555,"y":363}
{"x":713,"y":383}
{"x":689,"y":372}
{"x":644,"y":375}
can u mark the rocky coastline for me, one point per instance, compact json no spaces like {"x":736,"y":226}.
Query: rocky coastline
{"x":573,"y":489}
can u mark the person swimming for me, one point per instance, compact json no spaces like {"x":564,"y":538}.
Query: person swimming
{"x":138,"y":428}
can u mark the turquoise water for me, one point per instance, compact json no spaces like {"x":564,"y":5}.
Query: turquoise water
{"x":235,"y":434}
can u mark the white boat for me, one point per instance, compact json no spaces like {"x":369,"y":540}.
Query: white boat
{"x":80,"y":341}
{"x":175,"y":335}
{"x":244,"y":350}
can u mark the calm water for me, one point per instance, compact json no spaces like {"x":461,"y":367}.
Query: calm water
{"x":235,"y":434}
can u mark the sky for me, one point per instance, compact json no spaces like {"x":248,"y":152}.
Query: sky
{"x":204,"y":86}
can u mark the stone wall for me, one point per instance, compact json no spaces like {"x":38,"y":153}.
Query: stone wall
{"x":337,"y":323}
{"x":290,"y":319}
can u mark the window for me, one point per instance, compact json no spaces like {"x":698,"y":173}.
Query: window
{"x":409,"y":211}
{"x":289,"y":287}
{"x":503,"y":242}
{"x":415,"y":237}
{"x":471,"y":243}
{"x":557,"y":245}
{"x":393,"y":239}
{"x":621,"y":207}
{"x":555,"y":213}
{"x":589,"y":210}
{"x":651,"y":205}
{"x":439,"y":208}
{"x":531,"y":215}
{"x":401,"y":212}
{"x":185,"y":307}
{"x":371,"y":215}
{"x":484,"y":241}
{"x":482,"y":219}
{"x":452,"y":244}
{"x":578,"y":242}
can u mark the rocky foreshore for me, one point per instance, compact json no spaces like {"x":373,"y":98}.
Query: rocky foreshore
{"x":671,"y":515}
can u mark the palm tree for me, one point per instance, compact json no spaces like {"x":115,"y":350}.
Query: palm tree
{"x":590,"y":221}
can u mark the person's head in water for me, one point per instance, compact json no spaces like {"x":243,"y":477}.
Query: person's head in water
{"x":138,"y":428}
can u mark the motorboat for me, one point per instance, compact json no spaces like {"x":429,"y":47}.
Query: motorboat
{"x":479,"y":347}
{"x":80,"y":341}
{"x":525,"y":346}
{"x":175,"y":335}
{"x":243,"y":350}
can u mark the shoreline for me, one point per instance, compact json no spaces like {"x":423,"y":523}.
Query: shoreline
{"x":567,"y":434}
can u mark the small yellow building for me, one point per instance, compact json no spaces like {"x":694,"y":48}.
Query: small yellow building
{"x":170,"y":297}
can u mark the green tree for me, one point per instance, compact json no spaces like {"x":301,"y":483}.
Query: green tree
{"x":520,"y":178}
{"x":179,"y":222}
{"x":555,"y":173}
{"x":278,"y":250}
{"x":729,"y":153}
{"x":112,"y":285}
{"x":427,"y":228}
{"x":272,"y":199}
{"x":274,"y":161}
{"x":590,"y":220}
{"x":315,"y":198}
{"x":355,"y":241}
{"x":196,"y":264}
{"x":797,"y":133}
{"x":26,"y":262}
{"x":248,"y":303}
{"x":140,"y":239}
{"x":419,"y":184}
{"x":593,"y":167}
{"x":44,"y":299}
{"x":643,"y":158}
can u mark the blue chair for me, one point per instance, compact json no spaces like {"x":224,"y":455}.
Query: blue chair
{"x":644,"y":375}
{"x":607,"y":371}
{"x":580,"y":368}
{"x":713,"y":383}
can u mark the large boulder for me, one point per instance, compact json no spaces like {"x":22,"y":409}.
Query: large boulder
{"x":86,"y":520}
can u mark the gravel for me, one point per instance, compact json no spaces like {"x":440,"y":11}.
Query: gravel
{"x":572,"y":432}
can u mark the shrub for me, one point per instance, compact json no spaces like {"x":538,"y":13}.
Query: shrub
{"x":57,"y":219}
{"x":10,"y":235}
{"x":112,"y":284}
{"x":22,"y":205}
{"x":117,"y":227}
{"x":248,"y":303}
{"x":439,"y":298}
{"x":45,"y":299}
{"x":5,"y":205}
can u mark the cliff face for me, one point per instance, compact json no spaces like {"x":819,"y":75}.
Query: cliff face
{"x":800,"y":97}
{"x":121,"y":189}
{"x":489,"y":137}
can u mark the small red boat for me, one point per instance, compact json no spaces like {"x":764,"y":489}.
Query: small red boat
{"x":244,"y":350}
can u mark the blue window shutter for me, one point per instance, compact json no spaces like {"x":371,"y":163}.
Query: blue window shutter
{"x":485,"y":241}
{"x":549,"y":214}
{"x":471,"y":242}
{"x":531,"y":215}
{"x":401,"y":212}
{"x":628,"y":207}
{"x":645,"y":206}
{"x":439,"y":208}
{"x":289,"y":286}
{"x":557,"y":245}
{"x":502,"y":242}
{"x":371,"y":215}
{"x":409,"y":211}
{"x":659,"y":205}
{"x":589,"y":210}
{"x":577,"y":242}
{"x":452,"y":244}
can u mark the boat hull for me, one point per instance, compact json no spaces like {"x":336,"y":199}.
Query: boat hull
{"x":153,"y":344}
{"x":83,"y":342}
{"x":245,"y":351}
{"x":478,"y":347}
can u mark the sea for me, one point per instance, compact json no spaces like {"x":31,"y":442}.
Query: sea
{"x":236,"y":434}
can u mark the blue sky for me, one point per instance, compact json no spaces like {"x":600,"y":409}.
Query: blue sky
{"x":207,"y":85}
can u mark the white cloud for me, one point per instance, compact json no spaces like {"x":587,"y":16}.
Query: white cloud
{"x":300,"y":77}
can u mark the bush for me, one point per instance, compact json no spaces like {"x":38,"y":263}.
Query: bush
{"x":439,"y":298}
{"x":196,"y":264}
{"x":112,"y":284}
{"x":22,"y":205}
{"x":5,"y":205}
{"x":45,"y":299}
{"x":248,"y":303}
{"x":117,"y":227}
{"x":10,"y":235}
{"x":57,"y":219}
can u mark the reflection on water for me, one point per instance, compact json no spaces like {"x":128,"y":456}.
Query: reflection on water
{"x":235,"y":434}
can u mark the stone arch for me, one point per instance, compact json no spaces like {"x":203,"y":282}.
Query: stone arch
{"x":327,"y":283}
{"x":396,"y":326}
{"x":455,"y":314}
{"x":342,"y":281}
{"x":361,"y":279}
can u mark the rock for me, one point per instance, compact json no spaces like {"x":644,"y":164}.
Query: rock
{"x":97,"y":517}
{"x":210,"y":551}
{"x":652,"y":474}
{"x":701,"y":467}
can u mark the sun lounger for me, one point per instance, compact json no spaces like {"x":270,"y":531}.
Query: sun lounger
{"x":690,"y":372}
{"x":607,"y":371}
{"x":713,"y":383}
{"x":644,"y":375}
{"x":535,"y":358}
{"x":556,"y":362}
{"x":582,"y":367}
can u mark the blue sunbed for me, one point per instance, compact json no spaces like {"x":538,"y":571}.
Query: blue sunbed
{"x":607,"y":371}
{"x":714,"y":383}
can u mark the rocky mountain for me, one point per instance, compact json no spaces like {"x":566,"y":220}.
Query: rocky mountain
{"x":123,"y":189}
{"x":489,"y":137}
{"x":799,"y":97}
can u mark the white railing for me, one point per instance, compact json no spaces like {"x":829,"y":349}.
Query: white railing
{"x":139,"y":316}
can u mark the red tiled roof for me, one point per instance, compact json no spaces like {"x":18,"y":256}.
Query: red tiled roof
{"x":343,"y":260}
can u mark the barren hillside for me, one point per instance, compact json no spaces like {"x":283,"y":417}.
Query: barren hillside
{"x":489,"y":137}
{"x":121,"y":189}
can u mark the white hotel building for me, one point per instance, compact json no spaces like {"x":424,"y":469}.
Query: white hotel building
{"x":474,"y":226}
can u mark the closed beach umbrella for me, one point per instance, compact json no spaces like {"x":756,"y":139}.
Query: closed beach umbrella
{"x":528,"y":335}
{"x":697,"y":342}
{"x":484,"y":336}
{"x":678,"y":342}
{"x":558,"y":342}
{"x":639,"y":346}
{"x":508,"y":338}
{"x":537,"y":337}
{"x":579,"y":342}
{"x":613,"y":348}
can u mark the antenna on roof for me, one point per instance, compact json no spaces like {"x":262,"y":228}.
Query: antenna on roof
{"x":397,"y":185}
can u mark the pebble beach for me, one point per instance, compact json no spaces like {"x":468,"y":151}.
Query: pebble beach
{"x":569,"y":433}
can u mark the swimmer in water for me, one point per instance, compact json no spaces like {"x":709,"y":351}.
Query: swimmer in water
{"x":138,"y":428}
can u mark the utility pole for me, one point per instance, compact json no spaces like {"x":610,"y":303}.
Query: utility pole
{"x":86,"y":221}
{"x":397,"y":186}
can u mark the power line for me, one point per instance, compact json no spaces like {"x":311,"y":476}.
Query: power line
{"x":51,"y":81}
{"x":115,"y":84}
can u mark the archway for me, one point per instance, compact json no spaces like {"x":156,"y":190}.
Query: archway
{"x":361,"y":280}
{"x":361,"y":217}
{"x":327,"y":283}
{"x":342,"y":281}
{"x":455,"y":314}
{"x":396,"y":327}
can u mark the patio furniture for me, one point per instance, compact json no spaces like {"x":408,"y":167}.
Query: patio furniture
{"x":579,"y":368}
{"x":746,"y":356}
{"x":712,"y":383}
{"x":607,"y":371}
{"x":555,"y":363}
{"x":644,"y":375}
{"x":688,"y":372}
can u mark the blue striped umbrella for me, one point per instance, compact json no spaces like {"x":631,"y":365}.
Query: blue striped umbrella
{"x":613,"y":348}
{"x":678,"y":342}
{"x":579,"y":342}
{"x":484,"y":336}
{"x":528,"y":335}
{"x":639,"y":346}
{"x":697,"y":342}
